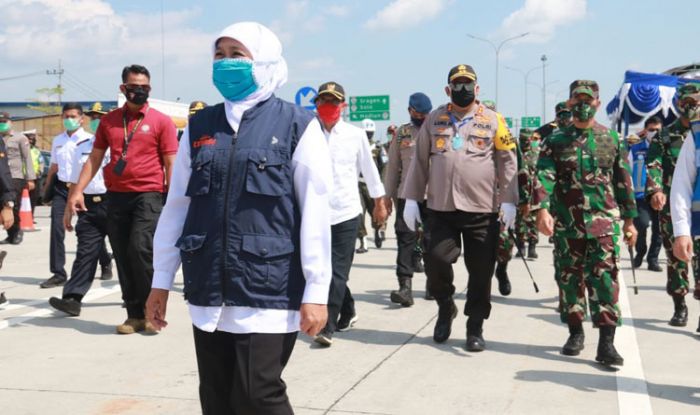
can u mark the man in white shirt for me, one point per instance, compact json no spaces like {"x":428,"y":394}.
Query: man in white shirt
{"x":685,"y":192}
{"x":91,"y":231}
{"x":350,"y":156}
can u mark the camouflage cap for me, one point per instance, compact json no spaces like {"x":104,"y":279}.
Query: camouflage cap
{"x":461,"y":71}
{"x":489,"y":104}
{"x":583,"y":86}
{"x":688,"y":90}
{"x":561,"y":107}
{"x":525,"y":132}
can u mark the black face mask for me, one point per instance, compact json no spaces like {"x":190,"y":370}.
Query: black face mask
{"x":370,"y":134}
{"x":463,"y":98}
{"x":417,"y":122}
{"x":137,"y":95}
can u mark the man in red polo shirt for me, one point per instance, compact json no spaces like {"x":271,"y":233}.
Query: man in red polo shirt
{"x":142,"y":144}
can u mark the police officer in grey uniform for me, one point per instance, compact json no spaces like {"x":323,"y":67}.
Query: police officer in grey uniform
{"x":465,"y":157}
{"x":91,"y":231}
{"x":401,"y":151}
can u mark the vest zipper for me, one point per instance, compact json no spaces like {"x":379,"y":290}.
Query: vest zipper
{"x":226,"y":214}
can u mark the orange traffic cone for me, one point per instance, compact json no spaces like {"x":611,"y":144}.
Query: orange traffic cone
{"x":26,"y":220}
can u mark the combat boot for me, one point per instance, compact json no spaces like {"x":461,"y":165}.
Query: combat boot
{"x":363,"y":246}
{"x":532,"y":250}
{"x":520,"y":248}
{"x":680,"y":313}
{"x":403,"y":295}
{"x":502,"y":276}
{"x":574,"y":344}
{"x":428,"y":295}
{"x":447,"y":312}
{"x":607,"y":354}
{"x":475,"y":335}
{"x":418,"y":263}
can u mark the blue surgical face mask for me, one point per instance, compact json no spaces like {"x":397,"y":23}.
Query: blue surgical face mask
{"x":234,"y":78}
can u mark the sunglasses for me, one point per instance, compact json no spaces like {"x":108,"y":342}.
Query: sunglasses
{"x":146,"y":88}
{"x":462,"y":86}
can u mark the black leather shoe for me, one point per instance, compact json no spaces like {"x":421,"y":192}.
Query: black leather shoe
{"x":54,"y":281}
{"x":67,"y":305}
{"x":18,"y":238}
{"x":476,"y":343}
{"x":3,"y":299}
{"x":3,"y":254}
{"x":443,"y":326}
{"x":680,"y":313}
{"x":654,"y":266}
{"x":5,"y":241}
{"x":575,"y":343}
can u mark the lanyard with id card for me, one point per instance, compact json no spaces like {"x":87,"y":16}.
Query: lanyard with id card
{"x":457,"y":140}
{"x":121,"y":163}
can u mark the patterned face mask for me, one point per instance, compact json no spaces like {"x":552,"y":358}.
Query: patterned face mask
{"x":583,"y":111}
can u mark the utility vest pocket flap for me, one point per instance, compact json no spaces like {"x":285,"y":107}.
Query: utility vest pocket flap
{"x":267,"y":246}
{"x":190,"y":243}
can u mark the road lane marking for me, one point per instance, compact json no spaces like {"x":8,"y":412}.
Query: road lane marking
{"x":632,"y":393}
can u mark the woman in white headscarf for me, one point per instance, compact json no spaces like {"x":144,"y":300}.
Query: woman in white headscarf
{"x":247,"y":216}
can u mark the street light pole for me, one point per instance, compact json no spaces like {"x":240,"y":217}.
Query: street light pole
{"x":497,"y":49}
{"x":544,"y":88}
{"x":525,"y":76}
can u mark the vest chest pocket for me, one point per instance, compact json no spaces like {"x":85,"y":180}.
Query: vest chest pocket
{"x":266,"y":261}
{"x":267,"y":173}
{"x":200,"y":179}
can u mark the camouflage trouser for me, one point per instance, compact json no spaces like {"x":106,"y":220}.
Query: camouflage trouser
{"x":526,"y":228}
{"x":677,"y":284}
{"x":367,"y":206}
{"x":588,"y":265}
{"x":504,"y":250}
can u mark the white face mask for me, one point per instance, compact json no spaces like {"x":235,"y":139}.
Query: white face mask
{"x":650,"y":134}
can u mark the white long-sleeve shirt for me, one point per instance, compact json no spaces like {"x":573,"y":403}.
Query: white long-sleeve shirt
{"x":350,"y":156}
{"x":682,"y":187}
{"x":311,"y":176}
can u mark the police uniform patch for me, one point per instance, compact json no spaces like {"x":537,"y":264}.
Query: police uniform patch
{"x":406,"y":143}
{"x":444,"y":117}
{"x":440,"y":143}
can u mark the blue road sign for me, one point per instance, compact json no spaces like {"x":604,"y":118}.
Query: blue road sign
{"x":305,"y":97}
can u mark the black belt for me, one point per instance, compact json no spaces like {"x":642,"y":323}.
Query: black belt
{"x":96,"y":198}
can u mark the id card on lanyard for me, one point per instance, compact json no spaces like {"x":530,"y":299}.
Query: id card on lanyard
{"x":457,"y":140}
{"x":121,"y":163}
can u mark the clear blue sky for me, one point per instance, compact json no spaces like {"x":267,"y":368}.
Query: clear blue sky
{"x":371,"y":47}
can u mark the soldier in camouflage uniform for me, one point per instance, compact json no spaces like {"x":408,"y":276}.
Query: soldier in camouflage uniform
{"x":525,"y":226}
{"x":584,"y":180}
{"x":379,"y":157}
{"x":562,"y":119}
{"x":401,"y":151}
{"x":504,"y":251}
{"x":661,"y":163}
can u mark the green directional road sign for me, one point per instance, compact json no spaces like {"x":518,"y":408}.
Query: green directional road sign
{"x":374,"y":107}
{"x":509,"y":121}
{"x":530,"y":122}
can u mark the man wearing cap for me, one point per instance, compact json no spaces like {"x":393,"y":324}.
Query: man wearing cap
{"x":350,"y":156}
{"x":95,"y":113}
{"x":465,"y":158}
{"x":685,"y":194}
{"x":661,"y":164}
{"x":584,"y":180}
{"x":562,"y":119}
{"x":401,"y":151}
{"x":38,"y":163}
{"x":19,"y":159}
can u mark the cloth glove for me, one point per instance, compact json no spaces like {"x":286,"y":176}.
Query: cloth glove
{"x":411,"y":214}
{"x":508,"y":215}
